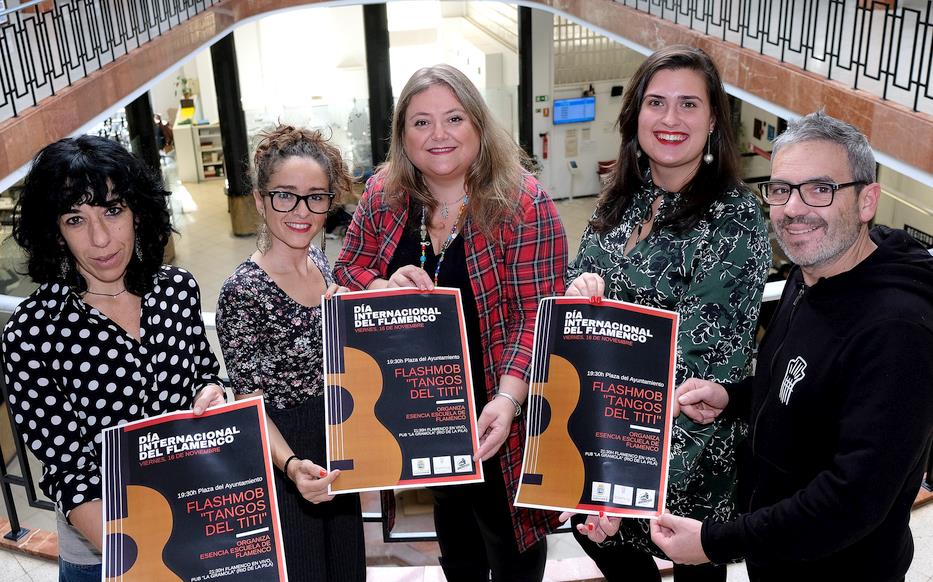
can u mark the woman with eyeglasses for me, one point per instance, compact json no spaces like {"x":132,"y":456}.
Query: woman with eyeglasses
{"x":269,"y":326}
{"x":678,"y":230}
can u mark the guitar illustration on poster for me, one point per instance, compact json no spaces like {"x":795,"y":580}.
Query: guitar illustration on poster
{"x":400,"y":406}
{"x":599,"y":419}
{"x":191,"y":498}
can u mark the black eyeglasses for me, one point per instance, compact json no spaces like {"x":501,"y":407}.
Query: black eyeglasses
{"x":318,"y":203}
{"x":814,"y":193}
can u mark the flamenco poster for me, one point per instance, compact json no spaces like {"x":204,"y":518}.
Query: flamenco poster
{"x":191,"y":498}
{"x":599,"y":414}
{"x":399,"y":406}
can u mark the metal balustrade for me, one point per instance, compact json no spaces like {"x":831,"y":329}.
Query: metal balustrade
{"x":865,"y":44}
{"x":44,"y":49}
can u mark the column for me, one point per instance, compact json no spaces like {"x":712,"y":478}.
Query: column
{"x":376,"y":33}
{"x":141,"y":126}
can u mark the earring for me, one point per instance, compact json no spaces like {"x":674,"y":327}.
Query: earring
{"x":638,"y":153}
{"x":64,"y":267}
{"x":262,"y":238}
{"x":138,"y":250}
{"x":323,"y":240}
{"x":708,"y":157}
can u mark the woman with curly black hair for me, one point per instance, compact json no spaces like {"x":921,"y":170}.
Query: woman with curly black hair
{"x":110,"y":335}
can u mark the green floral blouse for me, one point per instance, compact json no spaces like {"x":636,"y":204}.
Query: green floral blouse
{"x":713,"y":277}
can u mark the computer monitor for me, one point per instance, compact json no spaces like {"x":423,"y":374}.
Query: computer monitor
{"x":576,"y":110}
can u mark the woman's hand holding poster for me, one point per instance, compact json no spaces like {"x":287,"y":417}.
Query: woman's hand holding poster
{"x":190,"y":498}
{"x":399,"y":406}
{"x":599,"y":408}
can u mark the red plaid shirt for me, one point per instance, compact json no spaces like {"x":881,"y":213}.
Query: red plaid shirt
{"x":526,"y":262}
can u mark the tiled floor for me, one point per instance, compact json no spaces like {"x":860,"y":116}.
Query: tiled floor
{"x":16,"y":567}
{"x":206,"y":247}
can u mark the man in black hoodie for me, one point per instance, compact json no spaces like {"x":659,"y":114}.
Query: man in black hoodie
{"x":841,"y":404}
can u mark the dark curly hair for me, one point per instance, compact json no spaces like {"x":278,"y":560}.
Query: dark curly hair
{"x":711,"y":180}
{"x":100,"y":172}
{"x":286,"y":141}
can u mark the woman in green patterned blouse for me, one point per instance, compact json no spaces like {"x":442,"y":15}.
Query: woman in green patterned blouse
{"x":677,"y":229}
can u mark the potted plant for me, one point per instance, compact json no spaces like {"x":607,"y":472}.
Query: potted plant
{"x":185,"y":87}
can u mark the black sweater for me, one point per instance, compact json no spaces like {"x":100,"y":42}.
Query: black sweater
{"x":841,"y":408}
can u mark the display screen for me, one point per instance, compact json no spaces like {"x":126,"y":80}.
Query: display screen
{"x":574,"y":110}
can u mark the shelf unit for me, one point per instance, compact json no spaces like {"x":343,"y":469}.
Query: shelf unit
{"x":198,"y":152}
{"x":209,"y":153}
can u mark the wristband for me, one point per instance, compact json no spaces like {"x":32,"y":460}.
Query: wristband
{"x":512,"y":399}
{"x":287,"y":461}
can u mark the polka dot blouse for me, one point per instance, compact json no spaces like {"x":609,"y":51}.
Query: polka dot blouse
{"x":71,"y":372}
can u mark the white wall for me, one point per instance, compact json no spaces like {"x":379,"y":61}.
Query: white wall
{"x":499,"y":66}
{"x":303,"y":66}
{"x":914,"y":208}
{"x":202,"y":69}
{"x":757,"y":165}
{"x":162,"y":95}
{"x":595,"y":141}
{"x":489,"y":64}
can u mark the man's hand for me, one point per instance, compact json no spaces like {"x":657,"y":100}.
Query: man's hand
{"x":701,"y":400}
{"x":679,"y":538}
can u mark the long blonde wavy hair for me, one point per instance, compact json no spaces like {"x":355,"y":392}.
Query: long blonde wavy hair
{"x":494,"y":179}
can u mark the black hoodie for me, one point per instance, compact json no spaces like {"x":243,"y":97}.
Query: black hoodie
{"x":842,"y":415}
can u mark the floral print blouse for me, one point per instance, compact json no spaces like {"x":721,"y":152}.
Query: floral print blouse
{"x":713,"y":276}
{"x":269,"y":341}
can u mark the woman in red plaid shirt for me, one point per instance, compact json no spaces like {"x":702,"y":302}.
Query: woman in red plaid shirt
{"x":454,"y":181}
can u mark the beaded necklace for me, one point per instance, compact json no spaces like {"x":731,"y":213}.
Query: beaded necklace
{"x":425,"y":243}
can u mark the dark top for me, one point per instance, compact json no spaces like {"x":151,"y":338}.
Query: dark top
{"x":842,"y":415}
{"x":510,"y":269}
{"x":271,"y":342}
{"x":73,"y":372}
{"x":453,"y":273}
{"x":713,"y":276}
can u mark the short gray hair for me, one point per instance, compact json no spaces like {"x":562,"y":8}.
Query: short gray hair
{"x":821,"y":127}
